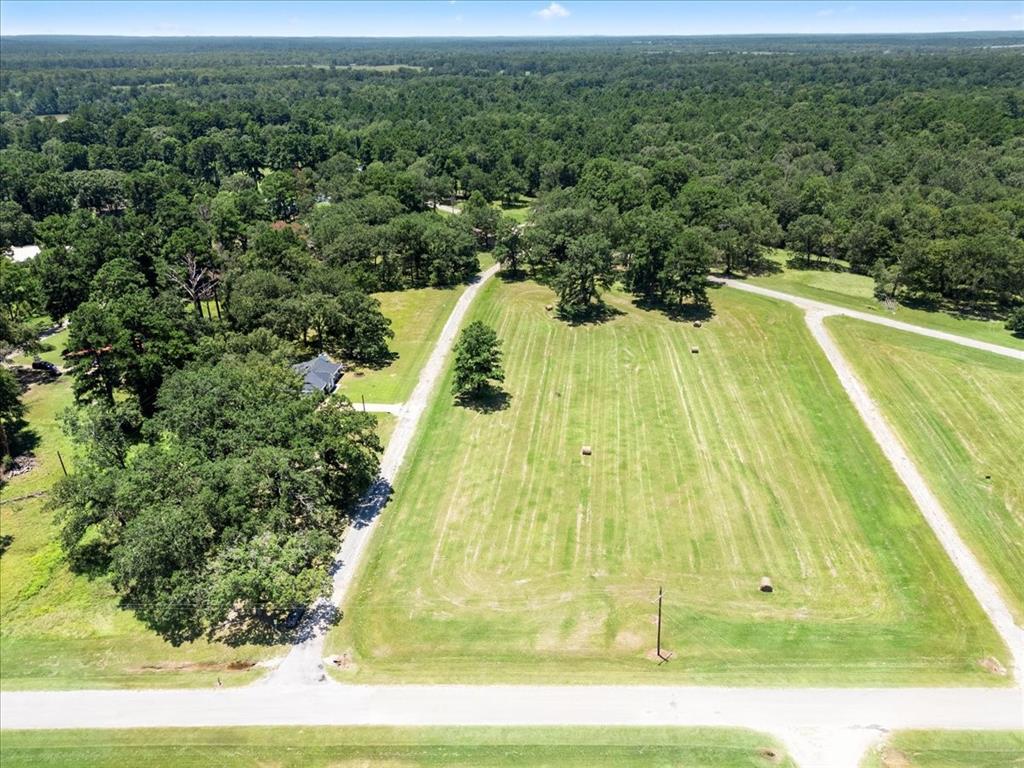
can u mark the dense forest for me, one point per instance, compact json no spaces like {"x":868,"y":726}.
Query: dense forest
{"x":210,"y":210}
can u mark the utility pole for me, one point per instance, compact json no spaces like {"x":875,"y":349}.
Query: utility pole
{"x":61,"y":460}
{"x":660,"y":593}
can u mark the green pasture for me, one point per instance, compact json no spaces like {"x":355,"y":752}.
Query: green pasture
{"x":358,"y":747}
{"x":949,"y":749}
{"x":960,"y":413}
{"x":506,"y":555}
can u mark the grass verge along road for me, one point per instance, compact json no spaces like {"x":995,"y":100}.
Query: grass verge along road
{"x":321,"y":747}
{"x":949,"y":749}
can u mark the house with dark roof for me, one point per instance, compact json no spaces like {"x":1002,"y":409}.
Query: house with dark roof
{"x":320,"y":373}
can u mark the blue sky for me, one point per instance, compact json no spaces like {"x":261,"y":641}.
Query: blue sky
{"x":468,"y":18}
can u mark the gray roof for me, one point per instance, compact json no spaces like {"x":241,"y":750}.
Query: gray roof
{"x":319,"y":373}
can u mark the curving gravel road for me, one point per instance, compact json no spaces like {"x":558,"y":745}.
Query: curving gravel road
{"x":983,"y":588}
{"x":812,"y":305}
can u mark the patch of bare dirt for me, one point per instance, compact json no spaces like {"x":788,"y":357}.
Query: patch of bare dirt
{"x":771,"y":755}
{"x":343,"y":661}
{"x":652,"y":655}
{"x":893,"y":758}
{"x":992,"y":665}
{"x":629,"y":641}
{"x":196,"y":666}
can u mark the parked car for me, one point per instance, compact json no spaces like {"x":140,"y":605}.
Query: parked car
{"x":39,"y":364}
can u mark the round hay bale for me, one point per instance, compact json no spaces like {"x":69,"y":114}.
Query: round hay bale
{"x":696,"y":323}
{"x":694,"y":350}
{"x":766,"y":585}
{"x":549,"y":307}
{"x":586,"y":450}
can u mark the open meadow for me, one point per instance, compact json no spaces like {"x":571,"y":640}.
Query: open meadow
{"x":391,"y":747}
{"x":853,"y":291}
{"x":417,"y":317}
{"x":948,"y":749}
{"x":507,"y":555}
{"x":960,"y":413}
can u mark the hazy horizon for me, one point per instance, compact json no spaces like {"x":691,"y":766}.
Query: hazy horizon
{"x":448,"y":18}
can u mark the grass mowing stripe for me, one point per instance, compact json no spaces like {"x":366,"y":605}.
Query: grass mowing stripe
{"x":948,"y":749}
{"x":960,"y":413}
{"x":753,"y":462}
{"x":390,"y":747}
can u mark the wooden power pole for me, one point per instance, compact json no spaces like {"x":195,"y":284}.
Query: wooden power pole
{"x":660,"y":593}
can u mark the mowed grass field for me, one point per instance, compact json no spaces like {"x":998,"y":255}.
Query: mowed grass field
{"x":949,"y":749}
{"x":386,"y":424}
{"x":846,"y":289}
{"x":324,"y":747}
{"x":960,"y":413}
{"x":507,"y":555}
{"x":61,"y":630}
{"x":417,"y":317}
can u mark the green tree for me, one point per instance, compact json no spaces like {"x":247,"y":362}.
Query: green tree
{"x":11,"y":412}
{"x":125,"y":338}
{"x":281,"y":193}
{"x":477,"y":360}
{"x":809,"y":236}
{"x":586,"y":269}
{"x":646,"y":237}
{"x":359,"y":330}
{"x":508,"y":245}
{"x":15,"y":225}
{"x":1015,"y":321}
{"x":480,"y":216}
{"x":225,"y":518}
{"x":21,"y":295}
{"x":687,"y":265}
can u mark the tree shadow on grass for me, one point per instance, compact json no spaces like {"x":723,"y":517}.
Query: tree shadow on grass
{"x":5,"y":543}
{"x":753,"y":269}
{"x":980,"y":309}
{"x":510,"y":276}
{"x":680,"y":313}
{"x":23,"y":439}
{"x":595,"y":314}
{"x":802,"y":264}
{"x":372,"y":365}
{"x":489,"y":401}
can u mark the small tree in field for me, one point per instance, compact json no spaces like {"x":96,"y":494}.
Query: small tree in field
{"x":477,"y":360}
{"x":1015,"y":322}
